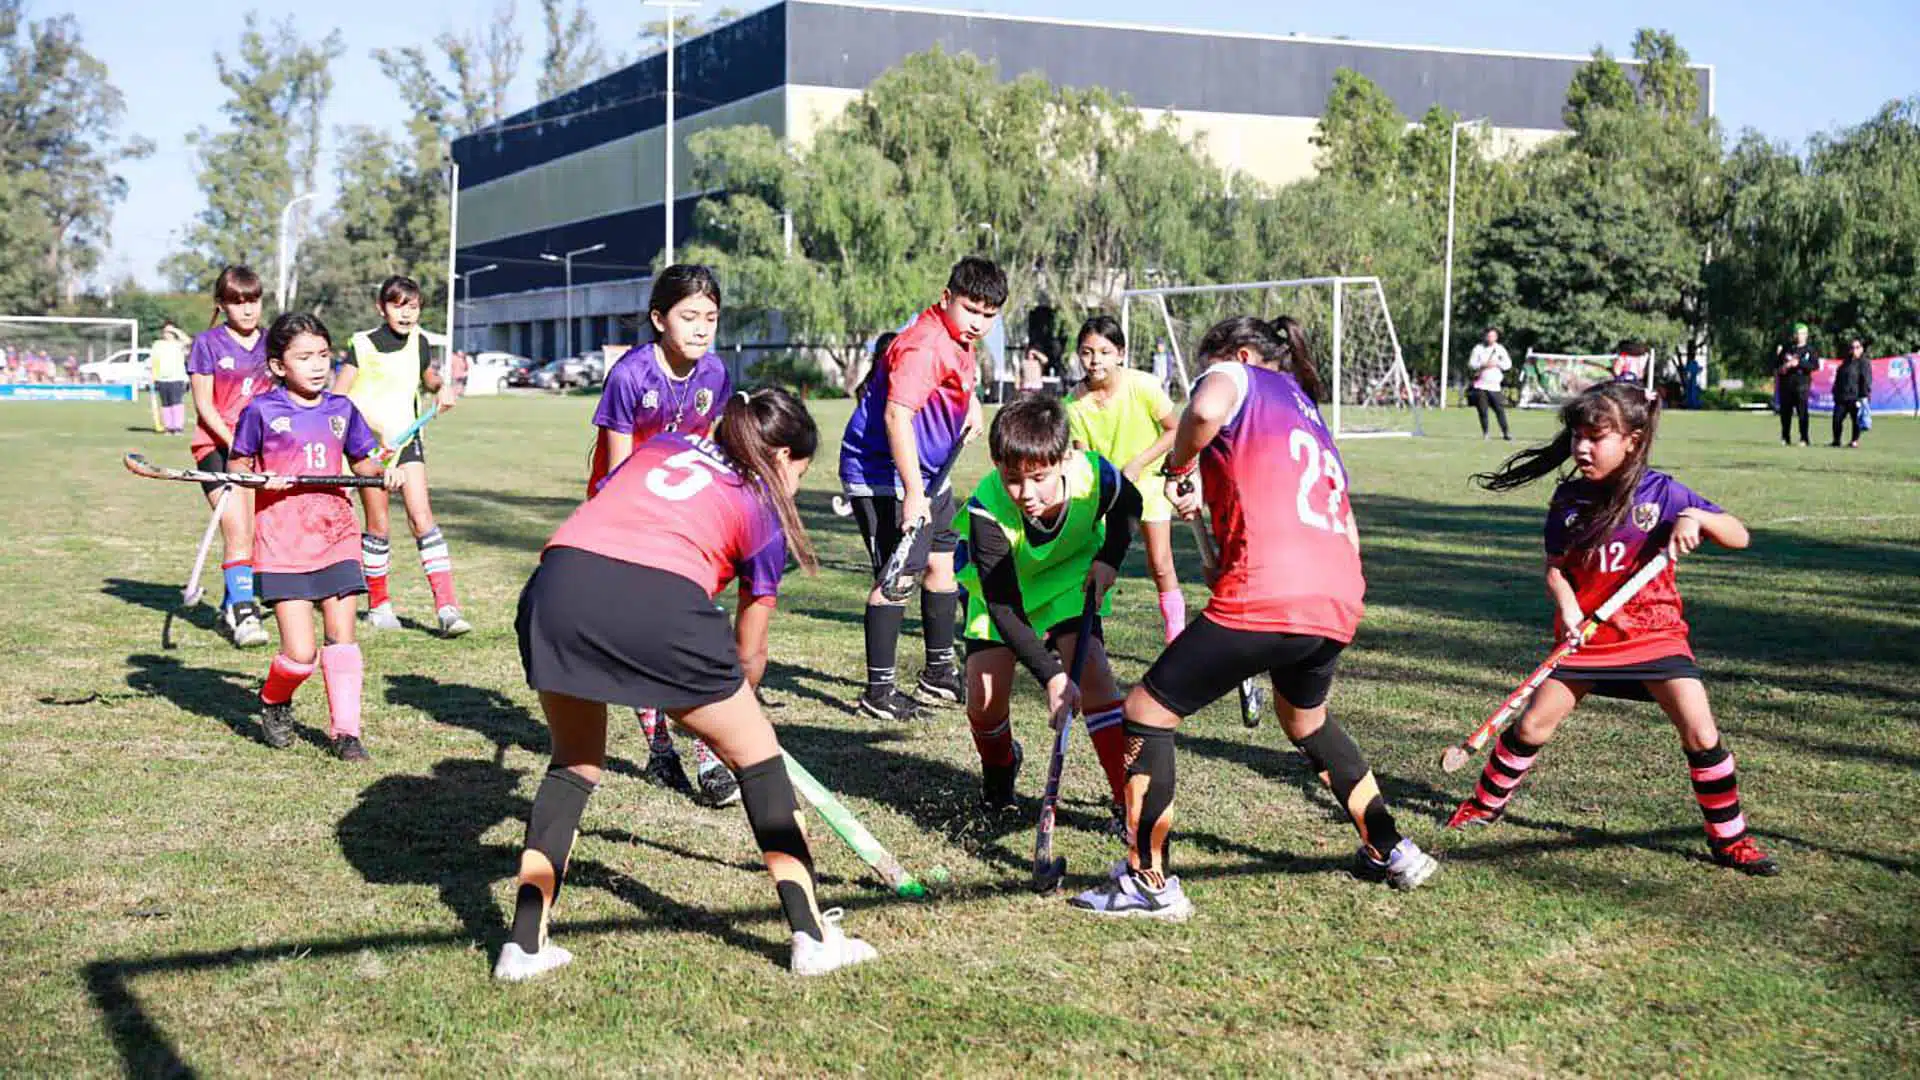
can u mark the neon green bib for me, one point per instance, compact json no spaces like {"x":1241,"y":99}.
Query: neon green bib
{"x":1052,"y":575}
{"x":388,"y":383}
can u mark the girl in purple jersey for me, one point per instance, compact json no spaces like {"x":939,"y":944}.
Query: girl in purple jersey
{"x":227,"y":367}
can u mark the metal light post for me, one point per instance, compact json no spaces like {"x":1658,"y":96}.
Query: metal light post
{"x":1446,"y":296}
{"x":280,"y":289}
{"x":466,"y":286}
{"x":672,"y":8}
{"x":566,"y":260}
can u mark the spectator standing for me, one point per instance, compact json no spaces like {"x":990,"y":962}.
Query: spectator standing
{"x":1488,"y":366}
{"x":1852,"y":390}
{"x":1793,"y":370}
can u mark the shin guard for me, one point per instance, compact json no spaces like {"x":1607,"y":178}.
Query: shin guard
{"x":1150,"y":782}
{"x":550,"y":831}
{"x":774,"y":815}
{"x":1334,"y":753}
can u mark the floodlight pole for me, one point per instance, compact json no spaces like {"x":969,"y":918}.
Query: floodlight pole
{"x":286,"y":212}
{"x":453,"y":245}
{"x":671,"y":6}
{"x":1446,"y":290}
{"x":466,"y":285}
{"x":567,"y":261}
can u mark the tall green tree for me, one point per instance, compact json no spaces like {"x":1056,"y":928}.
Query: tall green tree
{"x":1601,"y":85}
{"x":1666,"y":84}
{"x":1359,"y":132}
{"x":483,"y":65}
{"x":60,"y":152}
{"x":277,"y":82}
{"x":653,"y":33}
{"x":573,"y":55}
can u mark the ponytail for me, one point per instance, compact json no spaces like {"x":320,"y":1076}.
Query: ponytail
{"x":1294,"y":337}
{"x":752,"y":427}
{"x":1280,"y":344}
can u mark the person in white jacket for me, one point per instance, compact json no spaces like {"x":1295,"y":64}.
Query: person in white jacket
{"x":1487,"y":367}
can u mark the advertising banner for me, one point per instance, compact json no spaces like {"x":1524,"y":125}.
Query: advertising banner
{"x":65,"y":392}
{"x":1895,"y":389}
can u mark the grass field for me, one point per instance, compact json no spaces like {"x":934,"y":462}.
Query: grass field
{"x":176,"y":897}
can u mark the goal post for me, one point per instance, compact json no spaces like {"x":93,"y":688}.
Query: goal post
{"x":58,"y":350}
{"x":1349,"y":328}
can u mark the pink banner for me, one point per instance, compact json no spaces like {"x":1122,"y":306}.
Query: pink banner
{"x":1896,"y":387}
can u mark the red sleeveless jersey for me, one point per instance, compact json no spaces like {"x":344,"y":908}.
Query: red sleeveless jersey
{"x":1277,"y":490}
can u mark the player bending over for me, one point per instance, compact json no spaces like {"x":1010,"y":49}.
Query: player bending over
{"x":1045,"y":524}
{"x":383,"y":372}
{"x":227,"y":366}
{"x":1286,"y":601}
{"x":304,"y":537}
{"x":675,"y":383}
{"x":918,"y":412}
{"x":620,"y":611}
{"x":1604,"y":522}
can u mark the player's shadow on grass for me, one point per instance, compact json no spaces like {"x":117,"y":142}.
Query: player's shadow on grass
{"x":231,"y":699}
{"x":164,"y":599}
{"x":782,"y":681}
{"x":494,"y":716}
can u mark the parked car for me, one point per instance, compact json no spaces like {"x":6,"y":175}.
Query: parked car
{"x":490,"y":372}
{"x":520,"y":372}
{"x":128,"y":367}
{"x":574,"y":371}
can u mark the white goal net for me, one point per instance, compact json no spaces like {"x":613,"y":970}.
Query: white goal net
{"x":1348,"y":326}
{"x":58,"y":352}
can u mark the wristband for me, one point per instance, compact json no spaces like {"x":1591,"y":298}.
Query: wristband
{"x":1172,"y":473}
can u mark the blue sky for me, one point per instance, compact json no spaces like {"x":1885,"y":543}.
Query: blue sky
{"x":1848,"y":57}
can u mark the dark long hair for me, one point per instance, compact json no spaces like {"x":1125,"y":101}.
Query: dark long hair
{"x":1280,"y":344}
{"x":676,"y":283}
{"x":1608,"y":406}
{"x":236,"y":284}
{"x":880,"y":346}
{"x":752,"y":427}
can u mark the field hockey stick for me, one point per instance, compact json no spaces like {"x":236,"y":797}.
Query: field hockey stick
{"x":1252,"y":701}
{"x":1456,"y":756}
{"x":849,"y":829}
{"x":190,"y":595}
{"x":895,"y":583}
{"x":387,"y":454}
{"x":842,"y":506}
{"x":138,"y":465}
{"x":1048,"y":870}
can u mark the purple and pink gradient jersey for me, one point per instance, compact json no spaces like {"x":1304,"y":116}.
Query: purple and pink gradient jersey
{"x":642,"y":400}
{"x":239,"y":373}
{"x":928,"y":371}
{"x":303,"y":529}
{"x":676,"y":505}
{"x":1650,"y":626}
{"x":1278,"y":493}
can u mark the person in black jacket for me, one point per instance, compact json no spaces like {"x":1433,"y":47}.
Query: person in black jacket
{"x":1852,"y":386}
{"x":1794,"y":366}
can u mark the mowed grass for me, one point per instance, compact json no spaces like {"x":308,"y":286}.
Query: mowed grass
{"x":176,"y":897}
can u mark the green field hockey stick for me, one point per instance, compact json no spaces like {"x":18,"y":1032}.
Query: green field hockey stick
{"x":849,"y":829}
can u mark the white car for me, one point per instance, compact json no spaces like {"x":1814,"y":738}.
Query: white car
{"x":487,"y":371}
{"x":128,"y":367}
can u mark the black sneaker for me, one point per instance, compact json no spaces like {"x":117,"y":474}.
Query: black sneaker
{"x":348,"y":748}
{"x":996,"y":781}
{"x":276,"y":725}
{"x":943,"y":685}
{"x":718,"y":787}
{"x":890,"y":704}
{"x":664,"y":770}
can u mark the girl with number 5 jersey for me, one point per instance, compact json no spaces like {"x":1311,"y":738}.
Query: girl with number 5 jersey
{"x":1286,"y":601}
{"x":620,"y":612}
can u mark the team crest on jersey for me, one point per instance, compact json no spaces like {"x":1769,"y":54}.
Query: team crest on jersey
{"x":650,"y":399}
{"x":281,"y":425}
{"x":1572,"y":516}
{"x":1645,"y":516}
{"x":339,"y":426}
{"x":702,"y":400}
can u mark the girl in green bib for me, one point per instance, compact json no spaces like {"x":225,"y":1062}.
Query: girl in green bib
{"x":1045,"y":525}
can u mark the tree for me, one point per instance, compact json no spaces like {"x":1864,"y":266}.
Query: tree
{"x":653,"y":34}
{"x":1359,"y":132}
{"x":1600,"y":85}
{"x":484,"y":67}
{"x":1666,"y":85}
{"x":277,"y":84}
{"x":573,"y":57}
{"x":58,"y":145}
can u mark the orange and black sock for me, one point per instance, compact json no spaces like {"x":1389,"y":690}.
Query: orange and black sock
{"x":1508,"y":764}
{"x":1150,"y":784}
{"x":1717,"y":789}
{"x":1337,"y":757}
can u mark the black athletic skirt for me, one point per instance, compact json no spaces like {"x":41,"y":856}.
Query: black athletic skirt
{"x":600,"y":629}
{"x":1629,"y":682}
{"x":343,"y":578}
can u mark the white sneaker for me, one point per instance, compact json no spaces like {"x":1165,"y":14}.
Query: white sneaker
{"x":451,"y":622}
{"x":244,"y":622}
{"x":835,"y":951}
{"x":518,"y":965}
{"x":383,"y":618}
{"x":1126,"y":896}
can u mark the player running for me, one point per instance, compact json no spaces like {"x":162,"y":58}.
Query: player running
{"x":1126,"y":417}
{"x":1286,"y":601}
{"x":304,"y":537}
{"x":620,"y":611}
{"x":1045,"y":524}
{"x":1603,"y":523}
{"x":227,"y":366}
{"x":675,"y":383}
{"x":917,"y":413}
{"x":383,"y":372}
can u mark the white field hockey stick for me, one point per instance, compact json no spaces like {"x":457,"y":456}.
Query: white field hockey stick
{"x":895,"y":583}
{"x":190,"y":595}
{"x":1252,"y":699}
{"x":138,"y":465}
{"x":1456,"y":756}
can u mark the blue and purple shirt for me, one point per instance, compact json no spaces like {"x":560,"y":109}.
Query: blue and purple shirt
{"x":301,"y":530}
{"x":928,"y":371}
{"x":239,"y":372}
{"x":642,"y":399}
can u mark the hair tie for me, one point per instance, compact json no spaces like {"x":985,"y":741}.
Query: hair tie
{"x":743,"y":396}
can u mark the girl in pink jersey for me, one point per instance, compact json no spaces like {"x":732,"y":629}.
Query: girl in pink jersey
{"x":1286,"y":600}
{"x":227,"y":366}
{"x":620,"y":612}
{"x":1604,"y":522}
{"x":307,"y":539}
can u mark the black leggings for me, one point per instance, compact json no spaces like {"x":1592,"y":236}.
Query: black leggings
{"x":1481,"y":400}
{"x":1793,"y":401}
{"x":1842,"y":412}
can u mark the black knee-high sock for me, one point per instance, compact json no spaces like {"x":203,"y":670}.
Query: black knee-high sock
{"x":773,"y":814}
{"x":1150,"y":783}
{"x":938,"y":614}
{"x":551,"y":827}
{"x":1338,"y":758}
{"x":883,"y":644}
